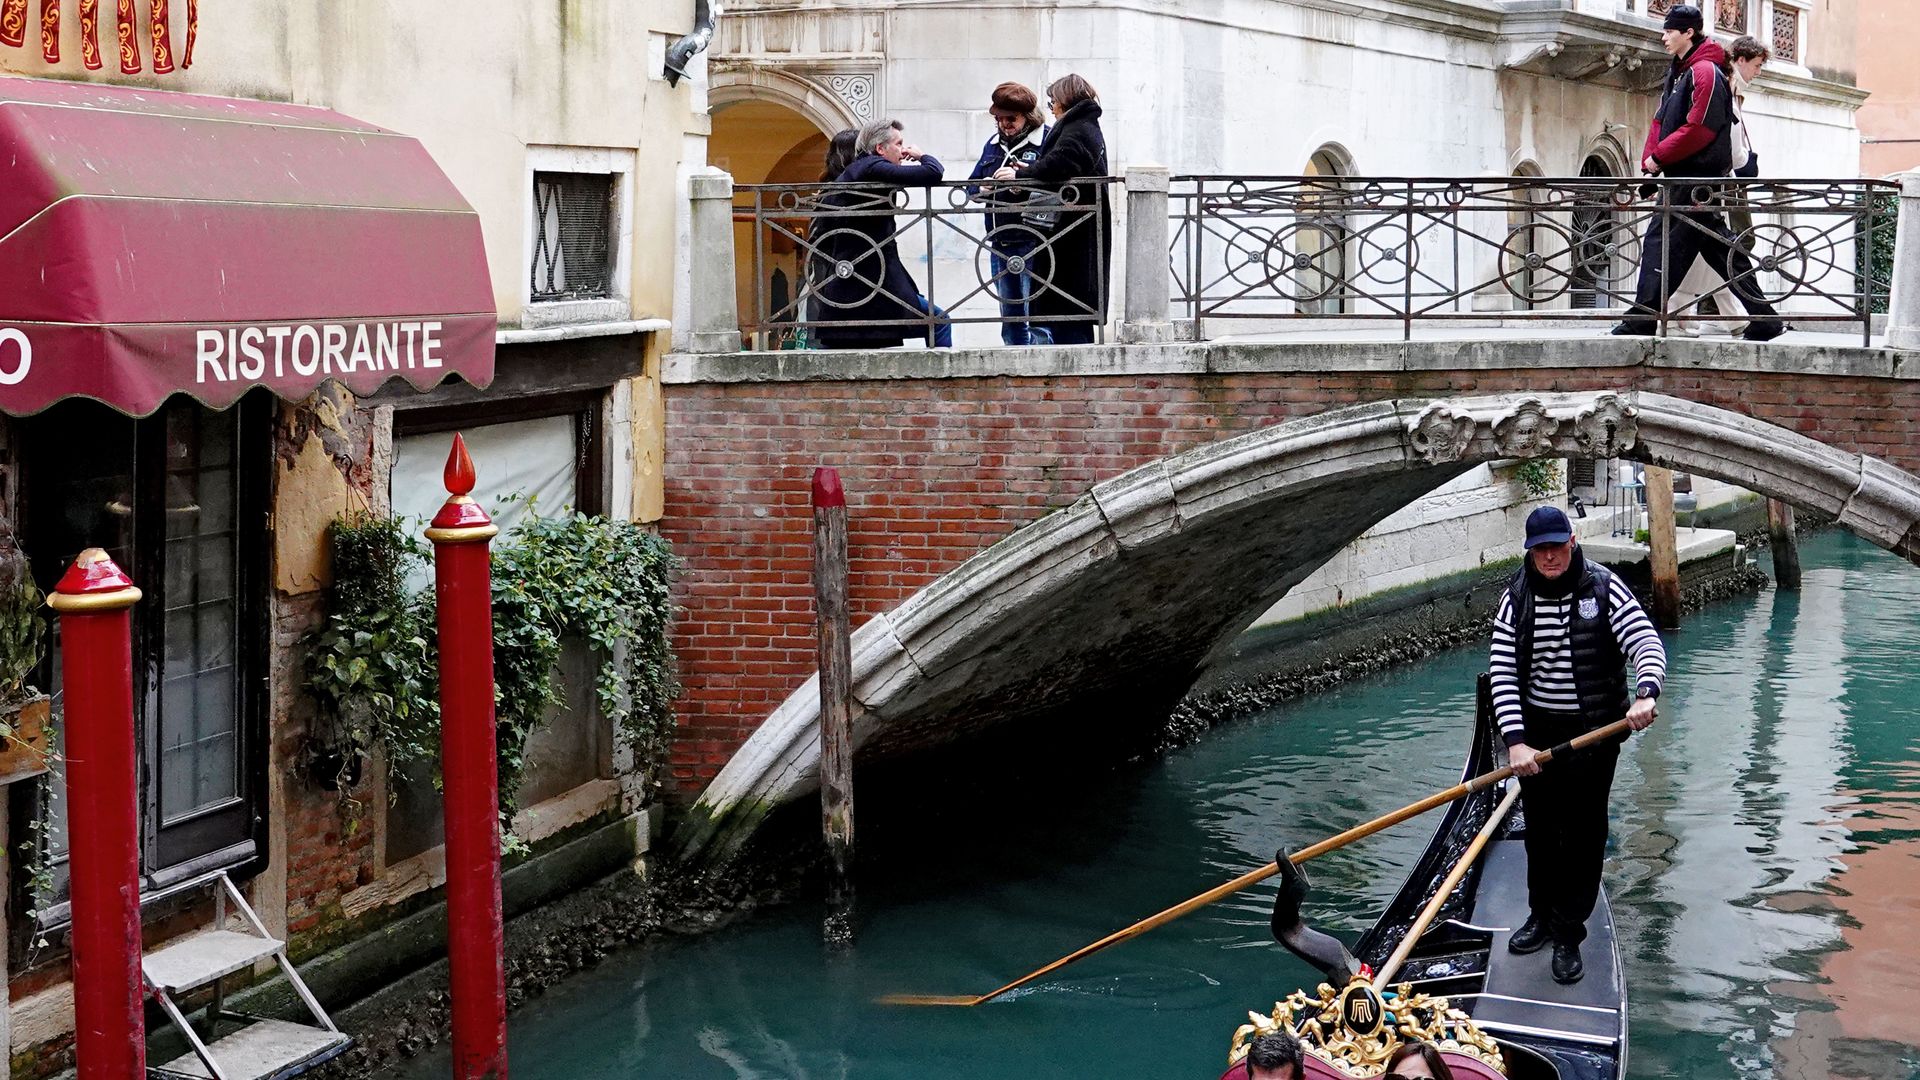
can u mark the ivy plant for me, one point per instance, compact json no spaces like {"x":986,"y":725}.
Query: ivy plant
{"x":374,"y":666}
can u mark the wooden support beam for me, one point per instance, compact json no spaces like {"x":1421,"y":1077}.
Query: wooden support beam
{"x":1663,"y":548}
{"x":836,"y":694}
{"x":1785,"y":545}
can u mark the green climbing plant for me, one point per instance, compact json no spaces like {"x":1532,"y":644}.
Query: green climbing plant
{"x":373,"y":670}
{"x":1540,"y":476}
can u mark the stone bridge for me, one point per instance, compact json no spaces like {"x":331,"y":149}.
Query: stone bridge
{"x":1043,"y":536}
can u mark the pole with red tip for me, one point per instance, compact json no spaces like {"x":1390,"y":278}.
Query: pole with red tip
{"x":469,"y":765}
{"x":836,"y":694}
{"x":96,"y":678}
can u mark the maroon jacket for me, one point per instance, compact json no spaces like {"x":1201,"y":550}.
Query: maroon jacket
{"x":1683,"y":127}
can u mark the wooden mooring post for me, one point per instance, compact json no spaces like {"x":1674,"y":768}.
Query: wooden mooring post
{"x":96,"y":678}
{"x":462,"y":536}
{"x":1784,"y":544}
{"x":836,"y":690}
{"x":1663,"y":553}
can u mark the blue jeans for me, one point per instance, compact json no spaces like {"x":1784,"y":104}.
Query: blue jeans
{"x":1016,"y":293}
{"x":943,"y":330}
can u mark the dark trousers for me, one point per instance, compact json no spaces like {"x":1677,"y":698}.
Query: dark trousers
{"x":1685,"y":237}
{"x":1566,"y":808}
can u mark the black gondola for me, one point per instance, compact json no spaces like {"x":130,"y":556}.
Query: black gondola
{"x":1545,"y":1031}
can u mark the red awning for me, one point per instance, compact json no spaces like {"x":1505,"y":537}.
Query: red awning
{"x":155,"y":243}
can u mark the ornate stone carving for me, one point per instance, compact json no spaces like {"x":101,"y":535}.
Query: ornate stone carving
{"x":1606,"y":428}
{"x":856,"y":90}
{"x":1529,"y":430}
{"x":1439,"y":434}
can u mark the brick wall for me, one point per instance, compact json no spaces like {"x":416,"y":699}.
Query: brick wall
{"x":938,"y":469}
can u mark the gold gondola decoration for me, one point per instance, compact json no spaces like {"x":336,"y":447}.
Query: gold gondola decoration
{"x":1355,"y":1029}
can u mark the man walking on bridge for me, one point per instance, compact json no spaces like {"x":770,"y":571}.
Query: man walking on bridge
{"x":1692,"y":136}
{"x":1560,"y":637}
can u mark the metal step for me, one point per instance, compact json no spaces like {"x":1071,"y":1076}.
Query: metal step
{"x":264,"y":1050}
{"x":202,"y":958}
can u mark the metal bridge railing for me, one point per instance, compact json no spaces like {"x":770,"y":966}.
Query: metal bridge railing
{"x":819,"y":254}
{"x":1425,"y":249}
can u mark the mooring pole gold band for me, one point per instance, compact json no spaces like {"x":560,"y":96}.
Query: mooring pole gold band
{"x":464,"y":535}
{"x":68,"y":603}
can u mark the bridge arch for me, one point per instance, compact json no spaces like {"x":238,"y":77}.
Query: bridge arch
{"x":1119,"y":598}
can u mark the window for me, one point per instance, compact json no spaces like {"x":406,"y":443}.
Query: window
{"x":578,"y":236}
{"x":572,"y":219}
{"x":179,"y":500}
{"x":1784,"y":24}
{"x":1594,"y":232}
{"x":1322,"y":236}
{"x":548,"y":453}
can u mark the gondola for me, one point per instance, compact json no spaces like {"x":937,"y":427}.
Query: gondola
{"x":1491,"y":1012}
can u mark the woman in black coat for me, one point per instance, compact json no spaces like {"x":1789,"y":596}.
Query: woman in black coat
{"x":860,"y":241}
{"x":1082,"y":239}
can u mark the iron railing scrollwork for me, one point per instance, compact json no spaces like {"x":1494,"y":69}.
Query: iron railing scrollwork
{"x":818,"y":256}
{"x":1430,"y":249}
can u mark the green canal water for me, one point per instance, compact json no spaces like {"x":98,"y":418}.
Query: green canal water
{"x":1764,"y":871}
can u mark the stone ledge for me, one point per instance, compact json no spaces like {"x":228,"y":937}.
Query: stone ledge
{"x":1318,"y":356}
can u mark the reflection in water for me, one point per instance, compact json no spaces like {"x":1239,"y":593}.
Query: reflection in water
{"x":1766,"y":834}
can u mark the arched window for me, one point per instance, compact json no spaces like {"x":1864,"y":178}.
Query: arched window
{"x":1323,"y":234}
{"x":1593,"y":229}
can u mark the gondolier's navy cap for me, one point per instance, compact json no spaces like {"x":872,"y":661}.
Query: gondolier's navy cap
{"x":1548,"y":525}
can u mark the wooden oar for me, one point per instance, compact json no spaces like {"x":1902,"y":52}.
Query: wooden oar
{"x":1333,"y":843}
{"x":1427,"y":914}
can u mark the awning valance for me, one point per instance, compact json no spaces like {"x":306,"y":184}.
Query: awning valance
{"x":155,"y":243}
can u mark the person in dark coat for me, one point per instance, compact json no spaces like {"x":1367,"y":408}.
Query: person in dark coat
{"x":1071,"y":270}
{"x":865,"y":281}
{"x":1012,"y":236}
{"x":1692,"y":135}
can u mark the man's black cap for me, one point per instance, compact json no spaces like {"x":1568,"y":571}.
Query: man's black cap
{"x":1685,"y":17}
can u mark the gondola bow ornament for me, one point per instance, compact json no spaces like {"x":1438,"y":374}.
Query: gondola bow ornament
{"x":1355,"y":1029}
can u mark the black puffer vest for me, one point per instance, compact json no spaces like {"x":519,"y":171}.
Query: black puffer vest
{"x":1598,"y":664}
{"x":1715,"y":158}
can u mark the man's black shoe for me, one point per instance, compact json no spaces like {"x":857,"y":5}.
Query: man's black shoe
{"x":1764,"y":331}
{"x":1632,"y":329}
{"x":1531,"y":935}
{"x":1567,"y":967}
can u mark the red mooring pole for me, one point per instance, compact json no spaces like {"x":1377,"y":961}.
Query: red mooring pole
{"x":469,"y":767}
{"x":96,"y":678}
{"x":836,"y":695}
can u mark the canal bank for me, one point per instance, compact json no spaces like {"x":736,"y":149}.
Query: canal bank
{"x":1759,"y":834}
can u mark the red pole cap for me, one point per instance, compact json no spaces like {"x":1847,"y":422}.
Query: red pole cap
{"x":459,"y":472}
{"x":93,"y":583}
{"x":827,"y":491}
{"x":460,"y":519}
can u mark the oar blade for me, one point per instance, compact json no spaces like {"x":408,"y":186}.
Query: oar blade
{"x":961,"y":1000}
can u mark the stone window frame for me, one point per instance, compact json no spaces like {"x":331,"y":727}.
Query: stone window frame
{"x":616,"y":162}
{"x":402,"y":875}
{"x":1771,"y":10}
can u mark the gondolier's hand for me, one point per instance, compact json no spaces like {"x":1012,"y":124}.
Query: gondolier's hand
{"x":1640,"y":715}
{"x":1521,"y":757}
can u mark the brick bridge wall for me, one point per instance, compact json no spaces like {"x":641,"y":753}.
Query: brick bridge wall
{"x":941,"y":465}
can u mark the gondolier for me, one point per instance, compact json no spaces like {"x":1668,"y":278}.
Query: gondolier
{"x":1563,"y":632}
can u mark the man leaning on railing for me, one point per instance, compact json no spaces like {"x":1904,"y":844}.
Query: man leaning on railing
{"x":1692,"y":136}
{"x":866,"y":282}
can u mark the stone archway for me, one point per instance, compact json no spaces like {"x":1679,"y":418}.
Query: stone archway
{"x":1118,"y":599}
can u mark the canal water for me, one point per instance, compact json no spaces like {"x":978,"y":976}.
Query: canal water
{"x":1765,"y":874}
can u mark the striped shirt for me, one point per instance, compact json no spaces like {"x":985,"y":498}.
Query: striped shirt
{"x":1550,"y":684}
